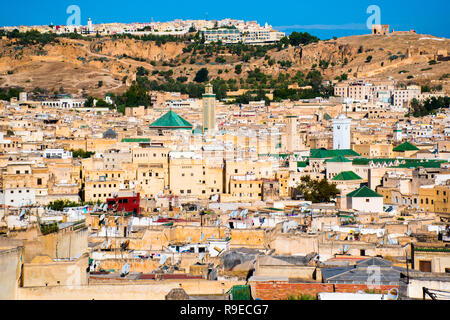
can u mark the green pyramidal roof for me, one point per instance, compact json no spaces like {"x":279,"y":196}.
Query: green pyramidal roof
{"x":364,"y":192}
{"x":347,"y":175}
{"x":171,"y":121}
{"x":338,"y":158}
{"x":406,"y":146}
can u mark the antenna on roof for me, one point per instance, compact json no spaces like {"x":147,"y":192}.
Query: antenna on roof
{"x":125,"y":270}
{"x":22,"y":214}
{"x":201,"y":256}
{"x":163,"y":259}
{"x":102,"y":218}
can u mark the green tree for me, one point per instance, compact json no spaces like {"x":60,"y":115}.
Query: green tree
{"x":201,"y":76}
{"x":141,"y":71}
{"x":89,"y":102}
{"x":317,"y":191}
{"x":301,"y":38}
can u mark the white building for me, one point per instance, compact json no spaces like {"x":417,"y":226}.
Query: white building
{"x":402,"y":97}
{"x":341,"y":132}
{"x":57,"y":154}
{"x":64,"y":103}
{"x":365,"y":200}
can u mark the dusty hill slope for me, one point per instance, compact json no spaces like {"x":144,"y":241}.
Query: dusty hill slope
{"x":105,"y":65}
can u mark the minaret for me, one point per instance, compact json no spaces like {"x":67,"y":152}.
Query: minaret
{"x":90,"y":28}
{"x":398,"y":133}
{"x":291,"y":134}
{"x":209,"y":109}
{"x":341,"y":132}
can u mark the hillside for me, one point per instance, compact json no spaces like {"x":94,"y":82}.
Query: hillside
{"x":105,"y":65}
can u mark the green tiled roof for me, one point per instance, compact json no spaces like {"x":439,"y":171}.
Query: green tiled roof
{"x":135,"y":140}
{"x":326,"y":116}
{"x":414,"y":163}
{"x":347,"y":175}
{"x":403,"y":163}
{"x":364,"y":161}
{"x":338,"y":158}
{"x":364,"y":192}
{"x":324,"y":153}
{"x":406,"y":146}
{"x":171,"y":121}
{"x":302,"y":164}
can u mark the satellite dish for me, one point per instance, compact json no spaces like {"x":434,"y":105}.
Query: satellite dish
{"x":125,"y":270}
{"x":346,"y":247}
{"x":190,"y":238}
{"x":337,"y":237}
{"x":102,"y":218}
{"x":202,"y":237}
{"x":163,"y":259}
{"x":201,"y":256}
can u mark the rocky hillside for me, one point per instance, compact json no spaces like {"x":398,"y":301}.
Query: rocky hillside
{"x":106,"y":65}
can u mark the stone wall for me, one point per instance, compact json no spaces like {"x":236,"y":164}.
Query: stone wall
{"x":10,"y":271}
{"x":282,"y":290}
{"x":148,"y":290}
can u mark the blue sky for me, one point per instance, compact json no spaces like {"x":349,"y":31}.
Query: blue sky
{"x":323,"y":18}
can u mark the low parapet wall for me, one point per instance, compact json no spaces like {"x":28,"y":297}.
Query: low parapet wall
{"x":150,"y":290}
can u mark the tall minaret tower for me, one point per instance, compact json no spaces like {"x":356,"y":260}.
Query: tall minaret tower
{"x":341,"y":132}
{"x":89,"y":26}
{"x":398,"y":133}
{"x":209,"y":110}
{"x":291,"y":134}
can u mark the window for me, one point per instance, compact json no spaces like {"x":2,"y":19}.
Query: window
{"x":39,"y":181}
{"x":425,"y":266}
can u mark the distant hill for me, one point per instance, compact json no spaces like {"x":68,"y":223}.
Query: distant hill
{"x":103,"y":65}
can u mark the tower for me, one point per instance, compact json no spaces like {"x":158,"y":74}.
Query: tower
{"x":90,"y":28}
{"x":291,"y":134}
{"x":341,"y":132}
{"x":209,"y":109}
{"x":398,"y":133}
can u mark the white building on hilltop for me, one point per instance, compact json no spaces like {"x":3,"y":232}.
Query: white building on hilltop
{"x":341,"y":132}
